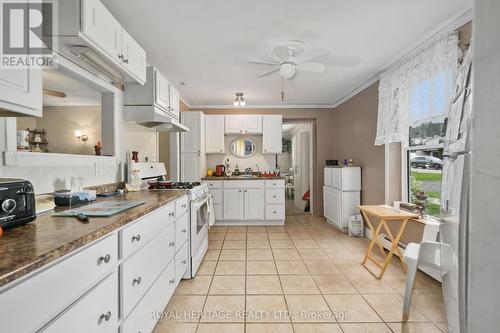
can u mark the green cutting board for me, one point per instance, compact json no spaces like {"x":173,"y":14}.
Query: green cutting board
{"x":101,"y":209}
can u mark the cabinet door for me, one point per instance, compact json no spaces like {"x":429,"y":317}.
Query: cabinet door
{"x":21,"y":91}
{"x":254,"y":204}
{"x":191,"y":141}
{"x":214,"y":135}
{"x":253,"y":124}
{"x":162,"y":93}
{"x":233,"y":204}
{"x":332,"y":203}
{"x":337,"y":178}
{"x":328,"y":177}
{"x":190,"y":167}
{"x":134,"y":57}
{"x":235,"y":124}
{"x":101,"y":28}
{"x":271,"y":134}
{"x":174,"y":102}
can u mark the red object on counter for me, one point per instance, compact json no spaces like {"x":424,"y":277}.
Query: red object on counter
{"x":135,"y":156}
{"x":220,"y":170}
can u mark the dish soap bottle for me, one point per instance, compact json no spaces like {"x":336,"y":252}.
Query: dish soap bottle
{"x":236,"y":171}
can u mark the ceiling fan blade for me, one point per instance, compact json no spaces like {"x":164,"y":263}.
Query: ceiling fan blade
{"x":315,"y":67}
{"x":341,"y":61}
{"x":311,"y":55}
{"x":264,"y":62}
{"x":269,"y":72}
{"x":280,"y":53}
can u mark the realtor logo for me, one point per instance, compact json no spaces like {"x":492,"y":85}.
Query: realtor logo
{"x":27,"y":34}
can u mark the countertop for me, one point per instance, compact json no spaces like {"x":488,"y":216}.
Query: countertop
{"x":242,"y":178}
{"x":27,"y":248}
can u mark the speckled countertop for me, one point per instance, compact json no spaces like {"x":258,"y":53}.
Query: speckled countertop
{"x":242,"y":178}
{"x":26,"y":248}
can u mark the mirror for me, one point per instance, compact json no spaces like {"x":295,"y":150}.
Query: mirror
{"x":242,"y":147}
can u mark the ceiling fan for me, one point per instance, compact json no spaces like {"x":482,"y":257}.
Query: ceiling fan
{"x":291,"y":57}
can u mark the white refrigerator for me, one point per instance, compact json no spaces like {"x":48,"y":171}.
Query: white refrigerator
{"x":455,"y":186}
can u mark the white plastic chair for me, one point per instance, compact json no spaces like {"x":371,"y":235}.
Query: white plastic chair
{"x":423,"y":254}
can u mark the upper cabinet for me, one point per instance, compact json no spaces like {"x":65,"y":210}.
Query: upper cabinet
{"x":21,"y":92}
{"x":214,"y":134}
{"x":90,"y":35}
{"x":156,"y":91}
{"x":272,"y":134}
{"x":243,"y":124}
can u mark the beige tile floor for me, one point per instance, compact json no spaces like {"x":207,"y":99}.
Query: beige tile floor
{"x":305,"y":277}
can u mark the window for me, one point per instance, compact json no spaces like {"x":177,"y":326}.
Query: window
{"x":429,"y":101}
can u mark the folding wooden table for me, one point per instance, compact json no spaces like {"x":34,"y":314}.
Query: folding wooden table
{"x":385,"y":214}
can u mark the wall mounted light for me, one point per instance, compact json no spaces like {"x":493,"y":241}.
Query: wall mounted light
{"x":81,"y":137}
{"x":239,"y":101}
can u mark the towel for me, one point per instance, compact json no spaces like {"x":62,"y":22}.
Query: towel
{"x":211,"y":211}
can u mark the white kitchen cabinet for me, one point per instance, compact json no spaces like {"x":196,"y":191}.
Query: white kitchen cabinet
{"x":157,"y":91}
{"x":133,"y":56}
{"x":99,"y":25}
{"x":233,"y":204}
{"x":272,"y":134}
{"x":248,"y":201}
{"x":254,"y":204}
{"x":243,"y":124}
{"x":339,"y":205}
{"x":193,"y":158}
{"x":21,"y":92}
{"x":253,"y":124}
{"x":343,"y":178}
{"x":214,"y":135}
{"x":96,"y":311}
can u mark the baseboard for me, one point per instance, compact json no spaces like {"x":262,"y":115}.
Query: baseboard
{"x":249,"y":223}
{"x":434,"y":273}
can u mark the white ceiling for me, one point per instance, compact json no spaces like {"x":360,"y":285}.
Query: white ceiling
{"x":206,"y":44}
{"x":77,"y":92}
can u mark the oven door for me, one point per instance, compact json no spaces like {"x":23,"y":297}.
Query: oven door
{"x":199,"y":223}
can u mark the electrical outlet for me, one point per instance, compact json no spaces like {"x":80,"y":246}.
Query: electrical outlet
{"x":98,"y":169}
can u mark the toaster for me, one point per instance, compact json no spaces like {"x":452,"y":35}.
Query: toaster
{"x":17,"y":202}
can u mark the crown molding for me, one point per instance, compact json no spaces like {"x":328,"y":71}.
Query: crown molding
{"x":270,"y":106}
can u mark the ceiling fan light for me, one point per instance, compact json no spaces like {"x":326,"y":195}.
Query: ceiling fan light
{"x":242,"y":102}
{"x":236,"y":103}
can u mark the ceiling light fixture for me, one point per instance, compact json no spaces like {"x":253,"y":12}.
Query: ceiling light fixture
{"x":239,"y":101}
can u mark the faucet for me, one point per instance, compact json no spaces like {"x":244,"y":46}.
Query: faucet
{"x":248,"y":171}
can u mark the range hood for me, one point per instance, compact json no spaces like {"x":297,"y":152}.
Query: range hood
{"x":151,"y":116}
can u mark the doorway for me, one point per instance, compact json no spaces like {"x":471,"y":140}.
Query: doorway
{"x":296,"y":165}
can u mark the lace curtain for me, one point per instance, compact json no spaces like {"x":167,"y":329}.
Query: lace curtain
{"x":395,"y":87}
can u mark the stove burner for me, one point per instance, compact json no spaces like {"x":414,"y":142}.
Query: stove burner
{"x":165,"y":185}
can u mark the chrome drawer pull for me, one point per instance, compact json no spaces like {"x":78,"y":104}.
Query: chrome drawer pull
{"x":105,"y":316}
{"x":274,"y":212}
{"x":171,"y":244}
{"x":136,"y":238}
{"x":171,"y":281}
{"x":105,"y":258}
{"x":137,"y":280}
{"x":184,"y":262}
{"x":184,"y":205}
{"x":274,"y":196}
{"x":171,"y":214}
{"x":184,"y":230}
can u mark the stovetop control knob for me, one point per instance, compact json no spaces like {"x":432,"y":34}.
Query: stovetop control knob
{"x":8,"y":205}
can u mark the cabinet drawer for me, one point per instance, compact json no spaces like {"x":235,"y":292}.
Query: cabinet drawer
{"x":95,"y":312}
{"x":214,"y":183}
{"x":139,"y":272}
{"x":275,"y":212}
{"x":217,"y":194}
{"x":141,"y":319}
{"x":275,"y":183}
{"x":218,"y":212}
{"x":181,"y":231}
{"x":56,"y":287}
{"x":137,"y":235}
{"x":181,"y":263}
{"x":181,"y":206}
{"x":244,"y":184}
{"x":275,"y":196}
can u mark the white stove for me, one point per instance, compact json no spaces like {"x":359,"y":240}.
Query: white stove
{"x":153,"y":177}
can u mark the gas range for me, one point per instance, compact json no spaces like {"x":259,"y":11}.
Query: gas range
{"x":195,"y":189}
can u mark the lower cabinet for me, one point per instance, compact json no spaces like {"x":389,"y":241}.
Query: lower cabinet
{"x":339,"y":205}
{"x":248,"y":201}
{"x":145,"y":315}
{"x":96,"y":312}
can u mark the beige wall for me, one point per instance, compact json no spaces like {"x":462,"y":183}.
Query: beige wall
{"x":354,"y":129}
{"x":60,"y":123}
{"x":323,"y":120}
